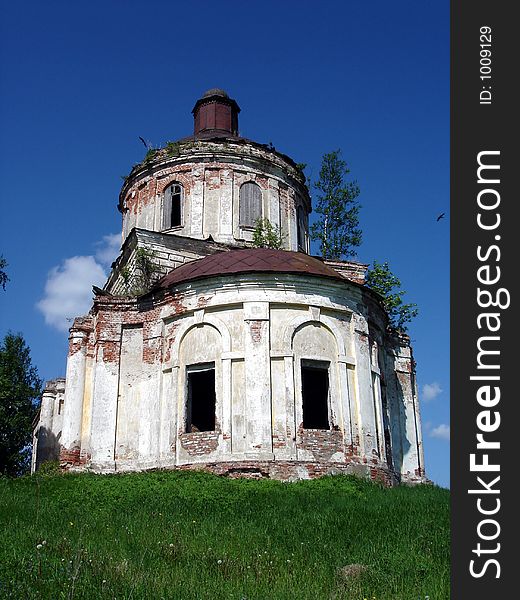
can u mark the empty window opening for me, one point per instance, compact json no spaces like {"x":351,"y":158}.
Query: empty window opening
{"x":200,"y":409}
{"x":315,"y":393}
{"x":250,"y":204}
{"x":172,"y":216}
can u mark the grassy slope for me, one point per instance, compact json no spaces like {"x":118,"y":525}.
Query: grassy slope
{"x":197,"y":536}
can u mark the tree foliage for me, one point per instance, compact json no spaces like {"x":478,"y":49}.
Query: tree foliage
{"x":267,"y":235}
{"x":20,"y":388}
{"x":382,"y":280}
{"x":3,"y":275}
{"x":337,"y":229}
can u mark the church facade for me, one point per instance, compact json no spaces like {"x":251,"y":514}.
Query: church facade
{"x":241,"y":360}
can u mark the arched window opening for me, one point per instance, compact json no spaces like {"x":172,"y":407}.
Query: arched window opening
{"x":172,"y":207}
{"x":250,"y":208}
{"x":302,"y":229}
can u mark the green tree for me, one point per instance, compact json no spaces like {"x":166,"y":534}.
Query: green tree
{"x":382,"y":280}
{"x":3,"y":275}
{"x":337,"y":229}
{"x":266,"y":235}
{"x":20,"y":387}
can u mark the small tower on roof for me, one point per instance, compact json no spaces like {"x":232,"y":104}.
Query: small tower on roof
{"x":215,"y":114}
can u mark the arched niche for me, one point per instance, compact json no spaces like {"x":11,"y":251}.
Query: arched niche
{"x":200,"y":380}
{"x":314,"y":339}
{"x":317,"y":393}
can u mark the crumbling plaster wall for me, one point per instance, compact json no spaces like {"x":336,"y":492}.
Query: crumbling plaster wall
{"x":211,"y":175}
{"x":402,"y":405}
{"x":257,"y":330}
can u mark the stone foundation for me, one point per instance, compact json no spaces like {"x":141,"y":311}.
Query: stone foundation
{"x":279,"y":470}
{"x":296,"y":470}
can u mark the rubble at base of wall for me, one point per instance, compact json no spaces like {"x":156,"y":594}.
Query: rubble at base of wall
{"x":296,"y":470}
{"x":278,"y":469}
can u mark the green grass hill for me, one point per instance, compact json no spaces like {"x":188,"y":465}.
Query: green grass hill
{"x":196,"y":536}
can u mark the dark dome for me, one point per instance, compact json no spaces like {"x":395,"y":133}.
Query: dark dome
{"x":251,"y":260}
{"x":215,"y":92}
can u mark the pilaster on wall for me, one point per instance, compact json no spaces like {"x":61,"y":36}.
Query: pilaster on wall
{"x":226,"y":205}
{"x":368,"y":417}
{"x":258,"y":382}
{"x":197,"y":202}
{"x":105,"y":393}
{"x":168,"y":414}
{"x":406,"y":425}
{"x":150,"y":392}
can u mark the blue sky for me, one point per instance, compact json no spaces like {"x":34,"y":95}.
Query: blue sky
{"x":82,"y":81}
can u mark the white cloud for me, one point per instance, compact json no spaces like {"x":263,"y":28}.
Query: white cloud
{"x":68,"y":290}
{"x":441,"y":432}
{"x":108,"y":249}
{"x":430,"y":391}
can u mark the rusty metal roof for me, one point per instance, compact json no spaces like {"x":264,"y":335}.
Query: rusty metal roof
{"x":251,"y":260}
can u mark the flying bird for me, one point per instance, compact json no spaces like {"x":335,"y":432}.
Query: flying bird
{"x":440,"y":216}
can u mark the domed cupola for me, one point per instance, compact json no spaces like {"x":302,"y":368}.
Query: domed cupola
{"x":217,"y":184}
{"x":215,"y":115}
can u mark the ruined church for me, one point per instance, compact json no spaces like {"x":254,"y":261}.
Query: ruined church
{"x":240,"y":360}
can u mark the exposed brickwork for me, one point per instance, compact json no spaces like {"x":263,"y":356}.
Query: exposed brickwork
{"x":321,"y":442}
{"x":203,"y":301}
{"x":353,"y":271}
{"x":80,"y":333}
{"x":279,"y":441}
{"x":293,"y":470}
{"x":69,"y":456}
{"x":199,"y":443}
{"x":169,"y":342}
{"x":255,"y":329}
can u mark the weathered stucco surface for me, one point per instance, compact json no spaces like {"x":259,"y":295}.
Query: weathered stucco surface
{"x":211,"y":174}
{"x":135,"y":392}
{"x":126,"y":404}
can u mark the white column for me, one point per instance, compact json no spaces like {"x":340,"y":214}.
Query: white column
{"x":45,"y":440}
{"x":74,"y":392}
{"x":47,"y":407}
